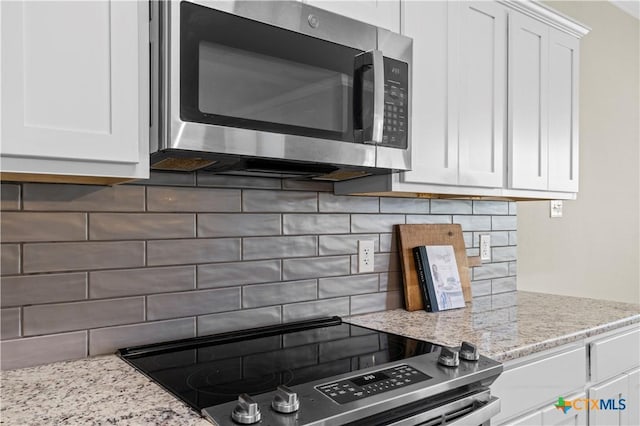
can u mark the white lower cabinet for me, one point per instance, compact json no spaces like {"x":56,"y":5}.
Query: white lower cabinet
{"x":536,"y":383}
{"x":611,"y":392}
{"x":603,"y":388}
{"x":552,"y":416}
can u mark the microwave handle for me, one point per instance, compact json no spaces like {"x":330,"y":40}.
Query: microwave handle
{"x":370,"y":59}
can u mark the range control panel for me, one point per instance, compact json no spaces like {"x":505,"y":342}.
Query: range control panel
{"x":359,"y":387}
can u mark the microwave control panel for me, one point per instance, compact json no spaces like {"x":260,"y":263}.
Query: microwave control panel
{"x":396,"y":90}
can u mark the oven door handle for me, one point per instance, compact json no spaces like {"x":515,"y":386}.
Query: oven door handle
{"x":363,"y":133}
{"x":478,"y":416}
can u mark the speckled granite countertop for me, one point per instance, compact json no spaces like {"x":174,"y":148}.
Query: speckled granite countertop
{"x":93,"y":391}
{"x":510,"y":325}
{"x":107,"y":391}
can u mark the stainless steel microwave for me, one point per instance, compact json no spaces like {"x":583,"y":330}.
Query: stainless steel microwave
{"x":277,"y":88}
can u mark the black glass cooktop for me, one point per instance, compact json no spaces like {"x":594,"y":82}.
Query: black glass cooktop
{"x":212,"y":370}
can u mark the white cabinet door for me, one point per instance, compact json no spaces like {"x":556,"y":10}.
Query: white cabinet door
{"x":534,"y":418}
{"x":75,"y":87}
{"x":381,"y":13}
{"x":611,"y":391}
{"x":552,"y":416}
{"x":528,"y":88}
{"x":434,"y":141}
{"x":633,"y":402}
{"x":564,"y":63}
{"x":482,"y":86}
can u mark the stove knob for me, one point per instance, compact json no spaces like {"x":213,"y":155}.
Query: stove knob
{"x":448,"y":358}
{"x":246,"y":412}
{"x":469,"y":352}
{"x":285,"y":401}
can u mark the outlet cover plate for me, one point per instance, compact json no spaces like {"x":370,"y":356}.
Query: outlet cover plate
{"x":365,"y":256}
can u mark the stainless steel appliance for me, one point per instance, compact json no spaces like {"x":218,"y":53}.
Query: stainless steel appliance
{"x":323,"y":372}
{"x":277,"y":87}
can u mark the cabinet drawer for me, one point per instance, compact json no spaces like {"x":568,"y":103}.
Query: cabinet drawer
{"x":614,"y":355}
{"x":535,"y":383}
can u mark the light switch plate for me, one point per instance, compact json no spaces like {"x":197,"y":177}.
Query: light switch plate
{"x":556,"y":208}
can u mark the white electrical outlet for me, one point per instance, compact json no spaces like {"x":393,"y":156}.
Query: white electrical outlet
{"x":556,"y":208}
{"x":365,"y":256}
{"x":485,"y":247}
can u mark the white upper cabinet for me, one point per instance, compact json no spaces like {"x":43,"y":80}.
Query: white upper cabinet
{"x":459,"y":85}
{"x":74,"y":86}
{"x":528,"y":89}
{"x":433,"y":135}
{"x":481,"y":77}
{"x":381,"y":13}
{"x":564,"y":63}
{"x":543,"y":108}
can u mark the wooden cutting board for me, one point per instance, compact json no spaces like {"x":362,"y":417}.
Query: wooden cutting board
{"x":410,"y":236}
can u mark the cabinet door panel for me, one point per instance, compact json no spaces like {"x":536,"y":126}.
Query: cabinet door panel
{"x":633,"y":402}
{"x":563,"y":108}
{"x":614,"y":389}
{"x":382,"y":13}
{"x":71,"y":80}
{"x":433,"y":135}
{"x":551,"y":416}
{"x":527,"y":121}
{"x":483,"y":44}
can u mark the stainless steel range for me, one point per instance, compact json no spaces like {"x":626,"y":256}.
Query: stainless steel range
{"x":323,"y":372}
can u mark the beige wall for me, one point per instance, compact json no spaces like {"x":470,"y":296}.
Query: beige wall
{"x":593,"y":251}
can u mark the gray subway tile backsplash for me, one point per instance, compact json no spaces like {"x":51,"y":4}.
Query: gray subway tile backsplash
{"x":279,"y":201}
{"x":108,"y":340}
{"x":451,"y":207}
{"x":345,"y":244}
{"x":321,"y":308}
{"x":40,"y":226}
{"x":88,"y":269}
{"x":375,"y":222}
{"x":56,"y":257}
{"x":254,"y":296}
{"x":329,"y":203}
{"x":375,"y":302}
{"x":279,"y":247}
{"x":235,"y":225}
{"x":131,"y":282}
{"x":83,"y":198}
{"x":180,"y":252}
{"x":44,"y":288}
{"x":429,"y":219}
{"x":328,"y":266}
{"x":170,"y":199}
{"x":190,"y":303}
{"x":140,"y":226}
{"x":348,"y":285}
{"x":9,"y":196}
{"x":238,"y":320}
{"x":57,"y":317}
{"x":315,"y":223}
{"x":31,"y":351}
{"x":9,"y":259}
{"x":238,"y":273}
{"x":9,"y":323}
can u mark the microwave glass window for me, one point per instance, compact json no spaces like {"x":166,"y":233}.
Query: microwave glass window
{"x":252,"y":86}
{"x":263,"y":77}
